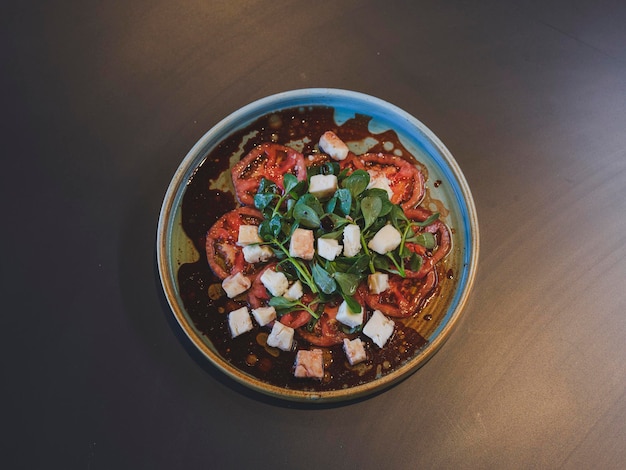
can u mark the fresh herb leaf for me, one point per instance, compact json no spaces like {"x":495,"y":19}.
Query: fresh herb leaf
{"x":370,"y":207}
{"x":313,"y":202}
{"x":305,"y":215}
{"x":323,"y":279}
{"x":262,"y":200}
{"x":415,"y":262}
{"x":289,"y":182}
{"x":357,"y":182}
{"x":353,"y":305}
{"x":348,"y":283}
{"x":426,"y":222}
{"x":426,"y":239}
{"x":344,"y":198}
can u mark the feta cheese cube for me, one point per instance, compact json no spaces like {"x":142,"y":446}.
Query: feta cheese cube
{"x":345,"y":315}
{"x":328,"y":248}
{"x":380,"y":181}
{"x":301,"y":244}
{"x":351,"y":240}
{"x":386,"y":239}
{"x":257,"y":253}
{"x":309,"y":364}
{"x":236,"y":284}
{"x":281,"y":337}
{"x":248,"y":234}
{"x":333,"y":146}
{"x":264,"y":315}
{"x":294,"y":292}
{"x":323,"y":186}
{"x":379,"y":328}
{"x":355,"y":352}
{"x":239,"y":321}
{"x":378,"y":282}
{"x":275,"y":282}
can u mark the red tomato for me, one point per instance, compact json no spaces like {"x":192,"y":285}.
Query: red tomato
{"x":257,"y":294}
{"x":442,"y":236}
{"x":224,"y":255}
{"x":296,"y":319}
{"x":269,"y":161}
{"x":405,"y":180}
{"x":404,"y":296}
{"x":327,"y":330}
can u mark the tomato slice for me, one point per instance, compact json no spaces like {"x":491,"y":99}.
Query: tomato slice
{"x":405,"y":180}
{"x":257,"y":294}
{"x":430,"y":258}
{"x":326,"y":331}
{"x":270,"y":161}
{"x":296,"y":319}
{"x":404,"y":297}
{"x":223,"y":254}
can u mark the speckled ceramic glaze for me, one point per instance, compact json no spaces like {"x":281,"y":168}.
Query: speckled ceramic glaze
{"x":451,"y":189}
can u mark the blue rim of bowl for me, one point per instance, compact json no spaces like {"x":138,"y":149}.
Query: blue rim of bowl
{"x":403,"y":122}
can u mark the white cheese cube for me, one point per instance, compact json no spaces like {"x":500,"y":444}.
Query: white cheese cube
{"x":275,"y":282}
{"x":328,"y":248}
{"x":257,"y":253}
{"x":264,"y":315}
{"x":281,"y":337}
{"x":380,"y":181}
{"x":294,"y":292}
{"x":301,"y":244}
{"x":248,"y":234}
{"x":345,"y":315}
{"x":309,"y":364}
{"x":351,"y":240}
{"x":355,"y":352}
{"x":236,"y":284}
{"x":378,"y":282}
{"x":322,"y":186}
{"x":239,"y":321}
{"x":379,"y":328}
{"x":333,"y":146}
{"x":386,"y":239}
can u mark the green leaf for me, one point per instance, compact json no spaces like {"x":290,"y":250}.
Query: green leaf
{"x":353,"y":305}
{"x":323,"y":280}
{"x":330,"y":168}
{"x":348,"y":283}
{"x":384,"y":198}
{"x":415,"y":262}
{"x":275,"y":225}
{"x":426,"y":239}
{"x":344,"y":199}
{"x":267,"y":186}
{"x":357,"y":182}
{"x":426,"y":222}
{"x":305,"y":215}
{"x":313,"y":202}
{"x":282,"y":302}
{"x":381,"y":263}
{"x":298,"y":190}
{"x":289,"y":182}
{"x":370,"y":207}
{"x":331,"y":204}
{"x":262,"y":200}
{"x":355,"y":265}
{"x":397,"y":216}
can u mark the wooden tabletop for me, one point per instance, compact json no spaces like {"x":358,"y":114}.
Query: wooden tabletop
{"x":101,"y":102}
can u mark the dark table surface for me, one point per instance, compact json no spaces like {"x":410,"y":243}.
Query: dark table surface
{"x":102,"y":100}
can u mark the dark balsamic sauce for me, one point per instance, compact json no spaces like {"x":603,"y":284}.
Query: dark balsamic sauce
{"x":202,"y":206}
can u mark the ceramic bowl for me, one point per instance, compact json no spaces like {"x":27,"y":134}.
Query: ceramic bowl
{"x":445,"y":184}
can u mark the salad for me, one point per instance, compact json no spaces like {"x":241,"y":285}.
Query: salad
{"x":324,"y":256}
